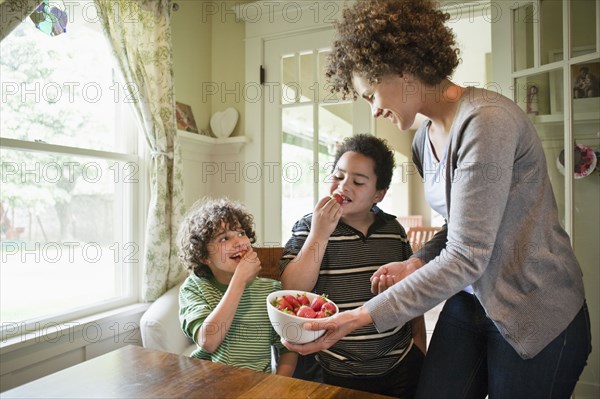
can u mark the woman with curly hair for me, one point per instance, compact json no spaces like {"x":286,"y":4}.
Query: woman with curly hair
{"x":515,"y":323}
{"x":222,"y":304}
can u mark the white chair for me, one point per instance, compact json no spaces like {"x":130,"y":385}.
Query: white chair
{"x":160,"y":327}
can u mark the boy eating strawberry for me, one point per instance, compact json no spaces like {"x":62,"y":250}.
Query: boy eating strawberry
{"x":222,"y":302}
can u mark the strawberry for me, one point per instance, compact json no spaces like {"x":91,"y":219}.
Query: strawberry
{"x":321,"y":314}
{"x":307,"y":312}
{"x":303,"y":299}
{"x":317,"y":303}
{"x":329,"y":308}
{"x":338,"y":198}
{"x":292,"y":301}
{"x":283,"y":305}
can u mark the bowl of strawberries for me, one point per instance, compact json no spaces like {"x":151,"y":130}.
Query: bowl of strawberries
{"x":290,"y":309}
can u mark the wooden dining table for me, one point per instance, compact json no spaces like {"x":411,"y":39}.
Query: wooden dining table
{"x":136,"y":372}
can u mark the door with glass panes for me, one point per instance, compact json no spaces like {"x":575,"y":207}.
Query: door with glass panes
{"x":304,"y":124}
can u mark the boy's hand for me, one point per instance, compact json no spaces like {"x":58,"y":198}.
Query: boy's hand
{"x":326,"y":215}
{"x":389,"y":274}
{"x":249,"y":266}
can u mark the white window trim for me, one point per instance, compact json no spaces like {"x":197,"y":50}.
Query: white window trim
{"x":22,"y":332}
{"x":66,"y":331}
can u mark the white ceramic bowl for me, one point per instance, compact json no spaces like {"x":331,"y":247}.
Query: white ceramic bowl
{"x":289,"y":326}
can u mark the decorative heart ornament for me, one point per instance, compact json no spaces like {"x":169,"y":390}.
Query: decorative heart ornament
{"x":223,"y":123}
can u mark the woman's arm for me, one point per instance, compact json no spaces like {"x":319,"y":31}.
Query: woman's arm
{"x":390,"y":274}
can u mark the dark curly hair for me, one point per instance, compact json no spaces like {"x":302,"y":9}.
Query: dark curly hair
{"x":380,"y":37}
{"x":202,"y":222}
{"x":375,"y":148}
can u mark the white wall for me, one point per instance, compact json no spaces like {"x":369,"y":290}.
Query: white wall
{"x":211,"y":168}
{"x":474,"y":38}
{"x":53,"y":347}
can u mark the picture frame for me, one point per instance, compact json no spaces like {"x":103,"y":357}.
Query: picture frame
{"x":585,"y":78}
{"x":185,"y":118}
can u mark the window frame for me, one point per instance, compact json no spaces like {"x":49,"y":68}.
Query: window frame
{"x":133,"y":232}
{"x":135,"y":196}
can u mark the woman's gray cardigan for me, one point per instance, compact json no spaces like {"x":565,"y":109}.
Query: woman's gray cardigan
{"x":502,"y":235}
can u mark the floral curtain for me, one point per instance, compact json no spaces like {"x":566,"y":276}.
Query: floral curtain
{"x":140,"y":34}
{"x":13,"y":12}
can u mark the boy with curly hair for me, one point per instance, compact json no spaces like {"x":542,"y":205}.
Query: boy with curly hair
{"x":222,"y":302}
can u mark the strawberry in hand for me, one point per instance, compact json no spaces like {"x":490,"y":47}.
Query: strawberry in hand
{"x":338,"y":198}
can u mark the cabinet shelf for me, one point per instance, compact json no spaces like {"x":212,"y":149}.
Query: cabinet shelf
{"x":211,"y":145}
{"x":552,"y":118}
{"x":560,"y":118}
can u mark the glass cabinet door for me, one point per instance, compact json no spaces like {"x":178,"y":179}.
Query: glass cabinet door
{"x":541,"y":97}
{"x":523,"y":36}
{"x":551,"y":31}
{"x":556,"y":82}
{"x":583,"y":27}
{"x":585,"y":146}
{"x":585,"y":98}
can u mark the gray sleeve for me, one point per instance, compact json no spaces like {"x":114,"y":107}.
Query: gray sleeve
{"x":486,"y":138}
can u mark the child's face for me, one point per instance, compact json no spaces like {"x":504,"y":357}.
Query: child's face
{"x":225,"y":251}
{"x":355,"y":180}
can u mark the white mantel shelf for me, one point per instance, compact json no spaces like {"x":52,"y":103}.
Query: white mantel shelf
{"x":210,"y":145}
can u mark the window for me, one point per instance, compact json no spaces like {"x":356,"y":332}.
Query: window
{"x":314,"y":124}
{"x":69,"y":173}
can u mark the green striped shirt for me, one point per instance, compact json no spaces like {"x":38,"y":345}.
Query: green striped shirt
{"x":249,"y":339}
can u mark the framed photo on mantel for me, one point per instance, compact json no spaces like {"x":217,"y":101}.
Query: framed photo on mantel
{"x":185,"y":118}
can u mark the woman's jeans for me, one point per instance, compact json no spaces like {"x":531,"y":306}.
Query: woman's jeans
{"x":469,"y":358}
